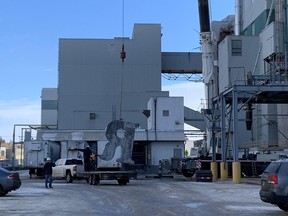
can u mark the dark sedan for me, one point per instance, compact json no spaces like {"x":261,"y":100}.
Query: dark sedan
{"x":274,"y":184}
{"x":9,"y":181}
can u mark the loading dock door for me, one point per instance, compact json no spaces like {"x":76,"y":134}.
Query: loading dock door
{"x":177,"y":153}
{"x":139,"y":155}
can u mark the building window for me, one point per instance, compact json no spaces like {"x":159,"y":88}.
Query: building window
{"x":165,"y":112}
{"x":2,"y":153}
{"x":236,"y":47}
{"x":49,"y":104}
{"x":253,"y":29}
{"x":92,"y":115}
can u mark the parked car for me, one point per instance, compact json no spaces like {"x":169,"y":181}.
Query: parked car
{"x":9,"y":181}
{"x":188,"y":166}
{"x":274,"y":184}
{"x":204,"y":176}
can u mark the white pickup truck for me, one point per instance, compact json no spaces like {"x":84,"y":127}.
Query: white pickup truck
{"x":67,"y":169}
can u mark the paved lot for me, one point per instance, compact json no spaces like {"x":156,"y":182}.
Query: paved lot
{"x":140,"y":197}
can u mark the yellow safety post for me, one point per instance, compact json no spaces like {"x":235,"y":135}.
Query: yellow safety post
{"x":214,"y":169}
{"x":224,"y":171}
{"x":236,"y":172}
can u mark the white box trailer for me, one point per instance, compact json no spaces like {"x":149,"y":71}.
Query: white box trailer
{"x":36,"y":153}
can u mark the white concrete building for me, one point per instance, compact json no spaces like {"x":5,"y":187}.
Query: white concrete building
{"x":96,"y":87}
{"x":49,"y":101}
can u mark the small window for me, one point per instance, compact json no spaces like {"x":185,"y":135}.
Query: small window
{"x":74,"y":162}
{"x":49,"y":104}
{"x":165,"y":112}
{"x":92,"y":115}
{"x":236,"y":47}
{"x":177,"y":153}
{"x":253,"y":28}
{"x":61,"y":162}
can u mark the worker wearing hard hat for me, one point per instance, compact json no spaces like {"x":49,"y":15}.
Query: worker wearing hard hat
{"x":48,"y":172}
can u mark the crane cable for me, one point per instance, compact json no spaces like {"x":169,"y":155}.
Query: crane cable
{"x":123,"y":56}
{"x":123,"y":53}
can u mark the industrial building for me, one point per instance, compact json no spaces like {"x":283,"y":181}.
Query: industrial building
{"x":245,"y":75}
{"x":96,"y":87}
{"x":254,"y":55}
{"x":244,"y":68}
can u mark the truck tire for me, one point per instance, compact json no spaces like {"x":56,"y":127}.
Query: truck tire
{"x":247,"y":171}
{"x":95,"y":180}
{"x":69,"y":178}
{"x":283,"y":207}
{"x":90,"y":179}
{"x":2,"y":191}
{"x":123,"y":181}
{"x":188,"y":173}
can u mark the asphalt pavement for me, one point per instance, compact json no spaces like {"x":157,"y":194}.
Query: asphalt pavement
{"x":142,"y":196}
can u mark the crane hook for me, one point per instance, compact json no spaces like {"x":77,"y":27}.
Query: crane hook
{"x":123,"y":53}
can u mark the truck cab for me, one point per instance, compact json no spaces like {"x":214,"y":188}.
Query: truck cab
{"x":67,"y":168}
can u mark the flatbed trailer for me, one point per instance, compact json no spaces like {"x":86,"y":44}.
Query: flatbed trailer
{"x":113,"y":156}
{"x":94,"y":177}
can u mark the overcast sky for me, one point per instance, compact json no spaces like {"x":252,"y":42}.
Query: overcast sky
{"x":30,"y":31}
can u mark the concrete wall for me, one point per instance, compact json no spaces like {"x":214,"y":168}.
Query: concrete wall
{"x":166,"y":113}
{"x":252,"y":9}
{"x":49,"y":106}
{"x":165,"y":150}
{"x":95,"y":87}
{"x":282,"y":120}
{"x":272,"y":44}
{"x":233,"y":69}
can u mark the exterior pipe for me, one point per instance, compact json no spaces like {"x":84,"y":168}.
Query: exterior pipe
{"x":204,"y":18}
{"x":155,"y":118}
{"x":238,"y":6}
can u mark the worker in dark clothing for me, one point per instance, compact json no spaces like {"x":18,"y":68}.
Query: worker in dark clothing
{"x":88,"y":157}
{"x":48,"y":172}
{"x":87,"y":153}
